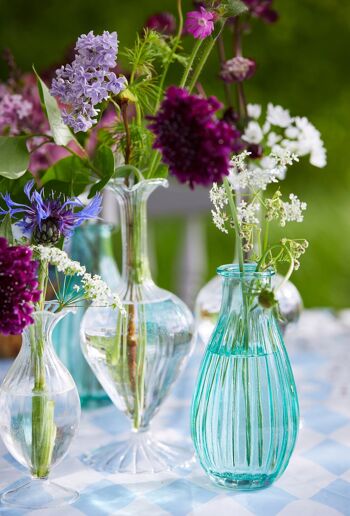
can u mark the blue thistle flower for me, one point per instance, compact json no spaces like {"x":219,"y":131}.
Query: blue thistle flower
{"x":49,"y":218}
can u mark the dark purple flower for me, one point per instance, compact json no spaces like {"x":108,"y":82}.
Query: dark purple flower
{"x":199,"y":23}
{"x":194,"y":144}
{"x":237,"y":69}
{"x":18,"y":288}
{"x":262,"y":9}
{"x":47,"y":219}
{"x":88,"y":80}
{"x":255,"y":150}
{"x":164,"y":23}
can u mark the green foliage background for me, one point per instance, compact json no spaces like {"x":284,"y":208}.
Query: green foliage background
{"x":302,"y":64}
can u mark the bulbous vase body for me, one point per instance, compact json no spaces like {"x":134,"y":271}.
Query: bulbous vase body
{"x":137,"y":355}
{"x":40,"y":413}
{"x":245,"y":413}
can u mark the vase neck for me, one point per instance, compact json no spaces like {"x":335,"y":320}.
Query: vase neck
{"x":39,"y":333}
{"x":133,"y":219}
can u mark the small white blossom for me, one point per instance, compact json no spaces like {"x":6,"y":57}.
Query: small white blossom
{"x":273,"y":138}
{"x":279,"y":116}
{"x":247,"y":213}
{"x":293,"y":210}
{"x":254,"y":111}
{"x":253,"y":133}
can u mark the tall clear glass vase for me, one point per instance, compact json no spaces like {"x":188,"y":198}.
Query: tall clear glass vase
{"x":40,"y":413}
{"x":138,"y":356}
{"x":245,"y":412}
{"x":92,"y":246}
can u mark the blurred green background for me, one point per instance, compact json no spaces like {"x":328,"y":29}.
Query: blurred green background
{"x":302,"y":65}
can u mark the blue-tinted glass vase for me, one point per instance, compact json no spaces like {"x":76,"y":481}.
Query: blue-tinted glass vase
{"x":92,"y":246}
{"x":245,"y":412}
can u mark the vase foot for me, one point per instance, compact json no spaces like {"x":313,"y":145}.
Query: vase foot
{"x":39,"y":494}
{"x":242,"y":482}
{"x":141,"y":453}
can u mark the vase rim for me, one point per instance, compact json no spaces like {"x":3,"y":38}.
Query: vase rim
{"x":232,"y":270}
{"x":156,"y":181}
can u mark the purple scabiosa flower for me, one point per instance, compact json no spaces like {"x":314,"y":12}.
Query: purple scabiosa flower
{"x":194,"y":144}
{"x":200,"y":23}
{"x":262,"y":9}
{"x":18,"y":288}
{"x":48,"y":219}
{"x":237,"y":69}
{"x":88,"y":80}
{"x":164,"y":23}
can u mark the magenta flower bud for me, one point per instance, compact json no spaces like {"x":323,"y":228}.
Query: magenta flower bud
{"x":237,"y":69}
{"x":256,"y":151}
{"x":262,"y":9}
{"x":200,"y":23}
{"x":164,"y":23}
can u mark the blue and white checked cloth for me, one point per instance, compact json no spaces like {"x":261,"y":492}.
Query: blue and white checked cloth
{"x":316,"y":482}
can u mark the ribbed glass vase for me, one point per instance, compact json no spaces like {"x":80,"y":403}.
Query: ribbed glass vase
{"x":137,"y":356}
{"x":245,"y":412}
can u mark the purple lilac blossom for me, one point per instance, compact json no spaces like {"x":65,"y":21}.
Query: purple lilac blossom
{"x":237,"y":69}
{"x":88,"y":80}
{"x":49,"y":218}
{"x":194,"y":144}
{"x":200,"y":23}
{"x":14,"y":110}
{"x":262,"y":9}
{"x":18,"y":288}
{"x":163,"y":22}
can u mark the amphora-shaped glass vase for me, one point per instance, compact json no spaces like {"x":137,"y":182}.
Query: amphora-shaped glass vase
{"x":245,"y":413}
{"x":40,"y":413}
{"x":137,"y":356}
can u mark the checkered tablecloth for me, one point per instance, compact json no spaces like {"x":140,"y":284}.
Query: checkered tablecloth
{"x":316,"y":482}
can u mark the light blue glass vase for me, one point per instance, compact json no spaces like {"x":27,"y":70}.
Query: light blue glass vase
{"x":245,"y":412}
{"x":92,"y":246}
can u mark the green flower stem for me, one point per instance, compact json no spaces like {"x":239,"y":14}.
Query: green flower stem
{"x":172,"y":53}
{"x":188,"y":68}
{"x":43,"y":425}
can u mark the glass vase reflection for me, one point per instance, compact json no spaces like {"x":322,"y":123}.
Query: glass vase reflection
{"x":92,"y":246}
{"x":245,"y":412}
{"x":40,"y":412}
{"x":138,"y":356}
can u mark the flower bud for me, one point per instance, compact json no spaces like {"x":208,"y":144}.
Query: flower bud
{"x":237,"y":69}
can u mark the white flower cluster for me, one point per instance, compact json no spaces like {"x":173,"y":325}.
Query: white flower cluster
{"x":247,"y":213}
{"x":281,"y":131}
{"x":219,"y":200}
{"x":277,"y":209}
{"x":245,"y":174}
{"x":93,"y":287}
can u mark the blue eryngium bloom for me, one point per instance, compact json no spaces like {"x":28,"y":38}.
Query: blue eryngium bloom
{"x":49,"y":218}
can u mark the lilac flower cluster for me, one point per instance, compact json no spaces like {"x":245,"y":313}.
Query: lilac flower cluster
{"x":194,"y":144}
{"x":262,"y":9}
{"x":14,"y":110}
{"x":88,"y":80}
{"x":47,"y":219}
{"x":18,"y":288}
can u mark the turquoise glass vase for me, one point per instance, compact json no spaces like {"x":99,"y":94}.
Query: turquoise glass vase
{"x":92,"y":246}
{"x":245,"y":412}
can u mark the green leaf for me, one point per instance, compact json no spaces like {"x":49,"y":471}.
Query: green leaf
{"x":61,"y":133}
{"x":104,"y":163}
{"x":6,"y":229}
{"x":14,"y":156}
{"x":230,"y":8}
{"x":69,"y":175}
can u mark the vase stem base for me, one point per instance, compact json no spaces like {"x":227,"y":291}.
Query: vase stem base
{"x":39,"y":494}
{"x":141,"y":453}
{"x":242,"y":482}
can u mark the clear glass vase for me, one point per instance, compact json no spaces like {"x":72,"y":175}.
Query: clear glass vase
{"x":40,"y":413}
{"x":138,"y":356}
{"x":92,"y":246}
{"x":245,"y":413}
